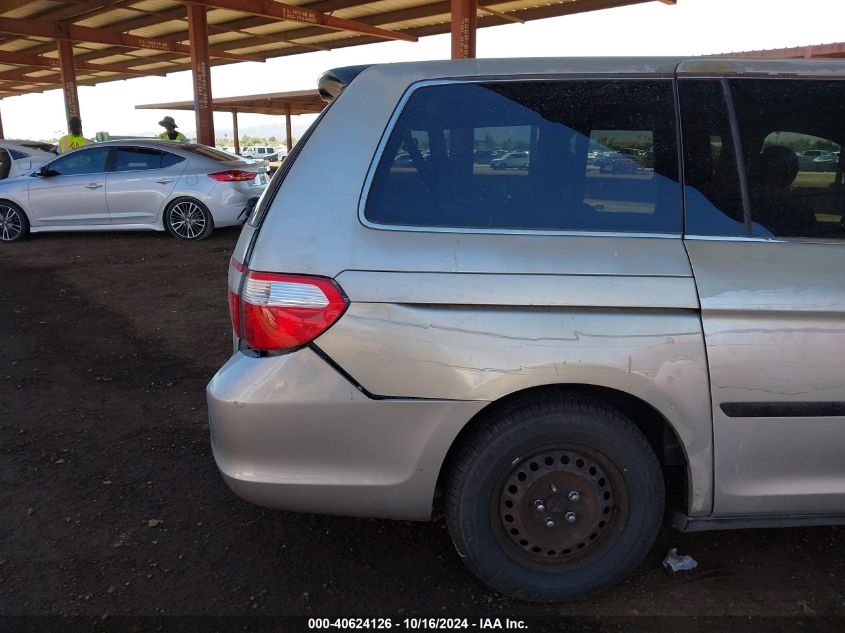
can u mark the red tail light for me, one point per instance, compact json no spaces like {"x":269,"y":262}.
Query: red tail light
{"x":282,"y":311}
{"x":236,"y":272}
{"x":233,"y":175}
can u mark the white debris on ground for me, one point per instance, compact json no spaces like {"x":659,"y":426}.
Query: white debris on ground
{"x":675,"y":562}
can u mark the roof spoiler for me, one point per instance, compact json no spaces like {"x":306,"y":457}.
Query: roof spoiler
{"x":332,"y":82}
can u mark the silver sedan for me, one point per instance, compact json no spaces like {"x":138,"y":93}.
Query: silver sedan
{"x":184,"y":188}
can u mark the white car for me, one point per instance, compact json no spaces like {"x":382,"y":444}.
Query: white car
{"x":517,"y":160}
{"x":186,"y":189}
{"x":281,"y":152}
{"x":18,"y":157}
{"x":260,"y":151}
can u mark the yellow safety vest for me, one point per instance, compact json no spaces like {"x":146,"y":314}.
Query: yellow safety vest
{"x":71,"y":141}
{"x":179,"y":137}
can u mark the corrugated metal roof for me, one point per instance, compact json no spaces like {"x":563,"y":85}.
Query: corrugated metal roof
{"x":32,"y":8}
{"x":383,"y":6}
{"x":104,"y":20}
{"x":237,"y":32}
{"x":155,"y":5}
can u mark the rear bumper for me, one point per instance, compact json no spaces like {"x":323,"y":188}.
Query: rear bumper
{"x":229,"y":203}
{"x":289,"y":432}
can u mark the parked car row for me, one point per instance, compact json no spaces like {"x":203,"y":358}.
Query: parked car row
{"x":616,"y":162}
{"x":186,"y":189}
{"x":496,"y":159}
{"x":511,"y":160}
{"x":619,"y":162}
{"x":608,"y":161}
{"x":818,"y":160}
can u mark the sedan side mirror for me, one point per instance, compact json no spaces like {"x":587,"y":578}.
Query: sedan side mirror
{"x":45,"y":172}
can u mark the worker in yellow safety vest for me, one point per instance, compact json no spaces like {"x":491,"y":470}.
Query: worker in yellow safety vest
{"x":74,"y":139}
{"x":171,"y":134}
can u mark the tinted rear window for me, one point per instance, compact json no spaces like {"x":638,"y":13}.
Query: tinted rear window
{"x":790,"y":134}
{"x":142,"y":158}
{"x":539,"y":155}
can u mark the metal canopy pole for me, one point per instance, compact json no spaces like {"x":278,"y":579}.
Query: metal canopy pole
{"x":287,"y":127}
{"x":464,"y":26}
{"x":235,"y":131}
{"x":201,"y":71}
{"x":68,"y":73}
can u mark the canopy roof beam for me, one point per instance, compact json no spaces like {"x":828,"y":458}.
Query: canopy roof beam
{"x":18,"y":76}
{"x":292,"y":13}
{"x":42,"y":61}
{"x":64,"y":31}
{"x":501,"y":14}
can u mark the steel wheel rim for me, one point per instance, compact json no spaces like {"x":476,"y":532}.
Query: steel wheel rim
{"x":187,"y":220}
{"x":540,"y":524}
{"x":11,"y":223}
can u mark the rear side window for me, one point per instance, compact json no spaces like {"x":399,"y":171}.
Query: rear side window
{"x":532,"y":155}
{"x":136,"y":159}
{"x":791,"y":133}
{"x":143,"y":158}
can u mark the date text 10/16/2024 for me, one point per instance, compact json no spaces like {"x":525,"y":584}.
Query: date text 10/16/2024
{"x":417,"y":624}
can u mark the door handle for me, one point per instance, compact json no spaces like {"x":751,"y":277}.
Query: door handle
{"x":93,"y":185}
{"x":164,"y":181}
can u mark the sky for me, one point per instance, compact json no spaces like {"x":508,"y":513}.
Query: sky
{"x":692,"y":27}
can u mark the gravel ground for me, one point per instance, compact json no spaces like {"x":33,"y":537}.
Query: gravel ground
{"x":112,"y":506}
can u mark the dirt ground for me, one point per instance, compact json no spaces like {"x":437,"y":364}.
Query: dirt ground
{"x":111,"y":505}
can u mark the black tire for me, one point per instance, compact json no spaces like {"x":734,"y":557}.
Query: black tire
{"x":14,"y":225}
{"x":519,"y":453}
{"x":188,"y":219}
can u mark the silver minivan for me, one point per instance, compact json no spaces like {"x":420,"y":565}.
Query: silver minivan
{"x":567,"y":352}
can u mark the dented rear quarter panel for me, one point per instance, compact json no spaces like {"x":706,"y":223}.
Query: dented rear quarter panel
{"x":580,"y":334}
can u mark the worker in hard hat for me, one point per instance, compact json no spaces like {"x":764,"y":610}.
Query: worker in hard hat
{"x":73,"y":139}
{"x":171,"y":134}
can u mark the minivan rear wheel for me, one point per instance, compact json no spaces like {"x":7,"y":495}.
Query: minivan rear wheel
{"x":554,"y":498}
{"x":188,"y":219}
